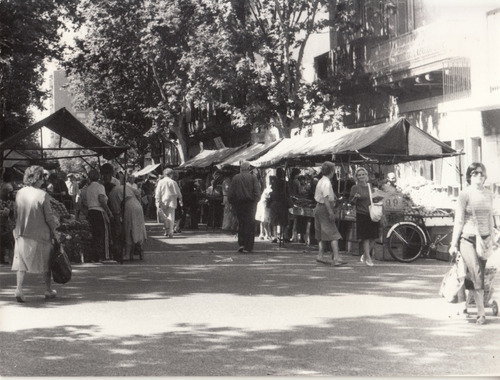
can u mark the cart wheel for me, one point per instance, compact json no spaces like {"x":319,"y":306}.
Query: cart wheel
{"x":494,"y":308}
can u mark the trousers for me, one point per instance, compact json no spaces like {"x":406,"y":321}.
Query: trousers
{"x":245,"y":212}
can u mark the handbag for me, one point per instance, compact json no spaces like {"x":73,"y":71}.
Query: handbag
{"x":484,"y":247}
{"x":376,"y":209}
{"x":453,"y":281}
{"x":60,"y":266}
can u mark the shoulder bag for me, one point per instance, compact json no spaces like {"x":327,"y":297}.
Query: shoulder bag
{"x":484,"y":247}
{"x":60,"y":266}
{"x":376,"y":209}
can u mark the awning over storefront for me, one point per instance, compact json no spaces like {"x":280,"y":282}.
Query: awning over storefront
{"x":391,"y":142}
{"x":208,"y":157}
{"x":251,"y":152}
{"x":66,"y":125}
{"x":146,"y":170}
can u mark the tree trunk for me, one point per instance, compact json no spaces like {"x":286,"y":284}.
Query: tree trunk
{"x":182,"y":138}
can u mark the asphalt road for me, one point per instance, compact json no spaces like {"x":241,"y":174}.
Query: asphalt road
{"x":195,"y":307}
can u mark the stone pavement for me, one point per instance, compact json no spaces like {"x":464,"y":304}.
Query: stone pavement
{"x":195,"y":307}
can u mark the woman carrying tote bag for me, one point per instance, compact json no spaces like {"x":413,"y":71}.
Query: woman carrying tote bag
{"x":473,"y":216}
{"x":367,"y":229}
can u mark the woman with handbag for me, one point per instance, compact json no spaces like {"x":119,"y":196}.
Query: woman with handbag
{"x":473,"y":229}
{"x":367,"y":230}
{"x":35,"y":228}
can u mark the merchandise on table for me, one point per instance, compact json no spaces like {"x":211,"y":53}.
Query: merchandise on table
{"x":75,"y":237}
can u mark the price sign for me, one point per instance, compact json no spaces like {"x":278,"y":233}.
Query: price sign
{"x":394,"y":202}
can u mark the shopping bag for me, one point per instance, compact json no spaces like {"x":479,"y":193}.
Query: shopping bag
{"x":376,"y":211}
{"x":453,"y":281}
{"x":60,"y":266}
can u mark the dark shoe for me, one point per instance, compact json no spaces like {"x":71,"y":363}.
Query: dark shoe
{"x":20,"y":297}
{"x":338,"y":263}
{"x":50,"y":294}
{"x":241,"y":249}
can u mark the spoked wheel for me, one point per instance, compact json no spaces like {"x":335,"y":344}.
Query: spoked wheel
{"x":406,"y":242}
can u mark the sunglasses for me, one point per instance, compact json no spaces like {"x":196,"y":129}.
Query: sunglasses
{"x":475,"y":173}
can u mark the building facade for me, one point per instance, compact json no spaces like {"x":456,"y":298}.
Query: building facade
{"x":437,"y":63}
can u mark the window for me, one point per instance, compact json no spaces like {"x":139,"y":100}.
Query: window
{"x":476,"y":149}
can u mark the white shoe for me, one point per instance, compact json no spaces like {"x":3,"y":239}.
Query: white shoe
{"x":362,"y":258}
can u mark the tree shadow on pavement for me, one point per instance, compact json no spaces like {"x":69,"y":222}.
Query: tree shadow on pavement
{"x":333,"y":347}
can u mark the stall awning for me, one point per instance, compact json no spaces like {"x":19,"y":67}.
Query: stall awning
{"x":209,"y":157}
{"x":66,"y":125}
{"x":391,"y":142}
{"x":146,"y":170}
{"x":251,"y":152}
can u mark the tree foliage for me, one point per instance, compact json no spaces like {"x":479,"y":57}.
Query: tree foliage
{"x":29,"y":35}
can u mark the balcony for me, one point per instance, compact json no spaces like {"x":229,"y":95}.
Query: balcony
{"x":419,"y":52}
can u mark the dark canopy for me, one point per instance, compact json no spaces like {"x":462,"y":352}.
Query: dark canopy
{"x":66,"y":125}
{"x":392,"y":142}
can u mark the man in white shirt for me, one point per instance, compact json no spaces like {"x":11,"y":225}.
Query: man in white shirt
{"x":166,"y":195}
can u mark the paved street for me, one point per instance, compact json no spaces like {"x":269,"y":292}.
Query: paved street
{"x":195,"y":307}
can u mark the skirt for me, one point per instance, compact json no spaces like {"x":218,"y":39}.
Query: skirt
{"x":32,"y":256}
{"x":325,"y":229}
{"x":366,"y":228}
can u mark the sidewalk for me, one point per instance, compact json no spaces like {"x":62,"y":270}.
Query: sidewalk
{"x":195,"y":307}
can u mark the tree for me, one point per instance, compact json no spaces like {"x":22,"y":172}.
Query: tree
{"x":29,"y":35}
{"x":141,"y":63}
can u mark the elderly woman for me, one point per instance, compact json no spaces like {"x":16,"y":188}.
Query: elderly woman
{"x":473,"y":215}
{"x":35,"y":228}
{"x":367,"y":230}
{"x":99,"y":216}
{"x":133,"y":225}
{"x":324,"y":216}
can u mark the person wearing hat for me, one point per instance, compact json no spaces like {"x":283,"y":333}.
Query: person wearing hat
{"x":168,"y":195}
{"x":244,"y":193}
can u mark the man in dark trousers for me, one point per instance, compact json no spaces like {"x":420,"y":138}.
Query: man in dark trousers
{"x":244,"y":193}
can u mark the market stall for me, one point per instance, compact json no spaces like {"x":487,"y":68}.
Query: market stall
{"x":388,"y":143}
{"x":75,"y":234}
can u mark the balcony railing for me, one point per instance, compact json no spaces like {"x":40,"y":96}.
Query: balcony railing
{"x":421,"y":47}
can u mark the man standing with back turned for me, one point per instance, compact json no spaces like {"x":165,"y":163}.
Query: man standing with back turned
{"x":244,"y":193}
{"x":167,"y":193}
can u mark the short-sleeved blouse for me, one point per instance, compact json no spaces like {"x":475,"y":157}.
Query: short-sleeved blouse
{"x":92,"y":195}
{"x":324,"y":191}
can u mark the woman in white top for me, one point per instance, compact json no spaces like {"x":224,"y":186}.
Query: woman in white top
{"x":473,"y":214}
{"x":324,"y":217}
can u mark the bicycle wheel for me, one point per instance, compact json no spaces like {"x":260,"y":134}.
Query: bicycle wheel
{"x":406,"y":242}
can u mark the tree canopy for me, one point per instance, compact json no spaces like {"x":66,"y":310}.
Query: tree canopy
{"x":29,"y":35}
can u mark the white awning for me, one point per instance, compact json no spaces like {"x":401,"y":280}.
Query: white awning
{"x":146,"y":170}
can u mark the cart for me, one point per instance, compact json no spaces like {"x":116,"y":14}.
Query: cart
{"x":489,"y":276}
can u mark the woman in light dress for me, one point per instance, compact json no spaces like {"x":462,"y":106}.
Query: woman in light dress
{"x":35,"y":228}
{"x":133,"y":225}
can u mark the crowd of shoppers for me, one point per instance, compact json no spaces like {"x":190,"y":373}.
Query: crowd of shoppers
{"x":116,"y":212}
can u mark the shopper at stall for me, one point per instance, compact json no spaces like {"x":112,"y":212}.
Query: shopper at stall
{"x":99,"y":216}
{"x":324,"y":216}
{"x":279,"y":202}
{"x":473,"y":215}
{"x":132,"y":225}
{"x":367,"y":230}
{"x":229,"y":220}
{"x":262,"y":214}
{"x":166,"y":194}
{"x":244,"y":194}
{"x":35,"y":228}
